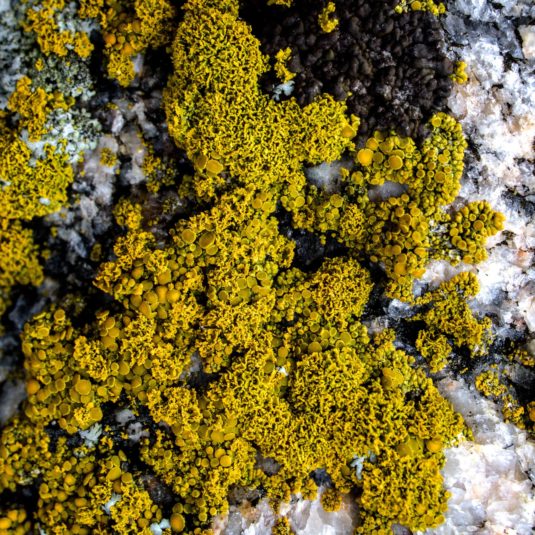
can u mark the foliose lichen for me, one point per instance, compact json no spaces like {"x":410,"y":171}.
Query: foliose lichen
{"x":210,"y":333}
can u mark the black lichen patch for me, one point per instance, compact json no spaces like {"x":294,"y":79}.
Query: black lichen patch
{"x":390,"y":66}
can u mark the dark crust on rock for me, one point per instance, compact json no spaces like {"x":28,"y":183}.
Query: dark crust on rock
{"x":393,"y":64}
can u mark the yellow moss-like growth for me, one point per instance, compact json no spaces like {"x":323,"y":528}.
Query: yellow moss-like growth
{"x":33,"y":105}
{"x":331,"y":500}
{"x":128,"y":29}
{"x":441,"y":166}
{"x":403,"y":232}
{"x":42,"y":21}
{"x":14,"y":522}
{"x":228,"y":127}
{"x":494,"y":383}
{"x":282,"y":527}
{"x":158,"y":172}
{"x":326,"y":19}
{"x":400,"y":240}
{"x":108,"y":158}
{"x":449,"y":315}
{"x":75,"y":483}
{"x":489,"y":384}
{"x":434,"y":348}
{"x":286,"y":3}
{"x":470,"y":227}
{"x":133,"y":498}
{"x":282,"y":57}
{"x":436,"y":8}
{"x":459,"y":75}
{"x":19,"y":262}
{"x":23,"y":448}
{"x":31,"y":188}
{"x":404,"y":498}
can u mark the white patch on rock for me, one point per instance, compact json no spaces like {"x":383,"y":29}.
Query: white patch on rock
{"x":12,"y":395}
{"x":91,"y":435}
{"x":306,"y":517}
{"x":326,"y":176}
{"x":158,"y":528}
{"x":489,"y":479}
{"x":124,"y":416}
{"x":285,"y":88}
{"x":111,"y":502}
{"x":528,"y":41}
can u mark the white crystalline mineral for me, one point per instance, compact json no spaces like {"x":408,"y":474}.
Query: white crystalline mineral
{"x":489,"y":479}
{"x":528,"y":41}
{"x":305,"y":517}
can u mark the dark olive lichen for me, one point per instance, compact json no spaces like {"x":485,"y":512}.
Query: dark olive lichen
{"x":384,"y":58}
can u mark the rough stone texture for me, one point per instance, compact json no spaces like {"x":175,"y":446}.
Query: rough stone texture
{"x":489,"y":479}
{"x":497,"y":110}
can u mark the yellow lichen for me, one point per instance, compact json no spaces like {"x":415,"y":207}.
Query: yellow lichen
{"x":19,"y":262}
{"x":488,"y":383}
{"x":434,"y":348}
{"x":459,"y":75}
{"x":436,"y":8}
{"x":282,"y":57}
{"x":469,"y":229}
{"x":128,"y":29}
{"x":448,"y":314}
{"x":326,"y":19}
{"x":14,"y":522}
{"x":41,"y":21}
{"x":31,"y":188}
{"x":33,"y":105}
{"x":282,"y":527}
{"x":331,"y":500}
{"x":108,"y":158}
{"x":217,"y":111}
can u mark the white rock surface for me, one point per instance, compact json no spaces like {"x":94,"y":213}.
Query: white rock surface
{"x":497,"y":110}
{"x":528,"y":41}
{"x":305,"y":517}
{"x":489,"y":479}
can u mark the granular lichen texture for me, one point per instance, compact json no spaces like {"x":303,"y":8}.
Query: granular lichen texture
{"x":207,"y":360}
